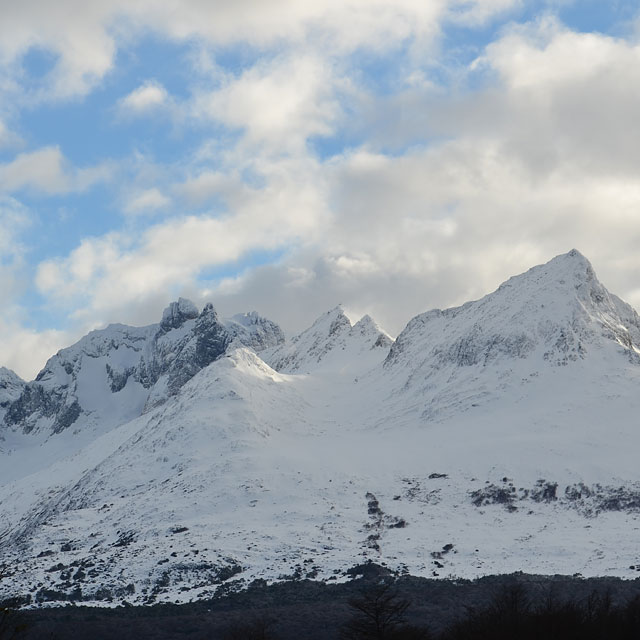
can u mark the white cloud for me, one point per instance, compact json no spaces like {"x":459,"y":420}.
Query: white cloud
{"x":8,"y":139}
{"x":111,"y":273}
{"x":84,"y":36}
{"x":47,"y":171}
{"x":147,"y":97}
{"x":338,"y":25}
{"x":543,"y":159}
{"x":43,"y":170}
{"x":280,"y":103}
{"x":478,"y":13}
{"x":147,"y":201}
{"x":565,"y":101}
{"x":23,"y":350}
{"x":546,"y":55}
{"x":26,"y":350}
{"x":206,"y":185}
{"x":14,"y":220}
{"x":76,"y":32}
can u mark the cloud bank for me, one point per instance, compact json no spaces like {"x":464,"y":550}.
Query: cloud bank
{"x":392,"y":157}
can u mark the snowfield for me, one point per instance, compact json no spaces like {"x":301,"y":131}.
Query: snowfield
{"x":499,"y":436}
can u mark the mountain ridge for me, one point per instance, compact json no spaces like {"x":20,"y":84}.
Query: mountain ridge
{"x":140,"y":366}
{"x":492,"y":437}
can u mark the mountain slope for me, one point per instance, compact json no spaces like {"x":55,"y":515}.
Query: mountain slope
{"x":111,"y":375}
{"x":11,"y":387}
{"x":552,"y":316}
{"x":498,"y":436}
{"x":330,"y":343}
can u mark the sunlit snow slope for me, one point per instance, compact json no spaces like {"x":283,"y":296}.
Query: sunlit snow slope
{"x":498,"y":436}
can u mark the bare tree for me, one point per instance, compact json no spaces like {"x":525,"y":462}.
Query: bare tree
{"x":377,"y":614}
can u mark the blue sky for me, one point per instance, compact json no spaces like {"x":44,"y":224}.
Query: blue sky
{"x":286,"y":156}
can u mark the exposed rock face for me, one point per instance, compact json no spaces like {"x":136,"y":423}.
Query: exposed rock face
{"x":254,"y":331}
{"x":11,"y":386}
{"x":96,"y":377}
{"x":112,"y":375}
{"x":177,"y":313}
{"x":212,"y":338}
{"x":175,"y":360}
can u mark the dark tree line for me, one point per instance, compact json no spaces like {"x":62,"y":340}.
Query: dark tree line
{"x":376,"y":608}
{"x":379,"y":612}
{"x":513,"y":615}
{"x":11,"y":624}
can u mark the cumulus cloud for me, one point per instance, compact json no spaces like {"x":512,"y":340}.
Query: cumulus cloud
{"x":24,"y":350}
{"x":147,"y":97}
{"x":339,"y":25}
{"x":8,"y":139}
{"x":206,"y":185}
{"x":146,"y":202}
{"x":74,"y":32}
{"x":15,"y":218}
{"x":47,"y":171}
{"x":568,"y":98}
{"x":532,"y":152}
{"x":84,"y":36}
{"x":280,"y":103}
{"x":118,"y":272}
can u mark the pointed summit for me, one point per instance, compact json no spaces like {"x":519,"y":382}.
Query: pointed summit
{"x":565,"y":291}
{"x":367,"y":327}
{"x":254,"y":331}
{"x":307,"y":349}
{"x":331,"y":338}
{"x":334,"y":322}
{"x":177,"y":313}
{"x":555,"y":314}
{"x":11,"y":386}
{"x":571,"y":267}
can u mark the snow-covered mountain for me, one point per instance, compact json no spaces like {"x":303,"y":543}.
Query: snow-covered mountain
{"x":554,"y":315}
{"x":109,"y":376}
{"x":11,"y":387}
{"x":497,"y":436}
{"x":331,"y":343}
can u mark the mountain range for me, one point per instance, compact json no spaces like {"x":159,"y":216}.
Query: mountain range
{"x":191,"y":457}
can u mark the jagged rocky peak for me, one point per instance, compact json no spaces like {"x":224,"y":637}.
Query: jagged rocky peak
{"x":254,"y":331}
{"x":80,"y":380}
{"x":339,"y":320}
{"x":248,"y":319}
{"x":329,"y":324}
{"x":11,"y":386}
{"x":555,"y":309}
{"x":331,"y":336}
{"x":211,"y":337}
{"x":111,"y":375}
{"x":367,"y":326}
{"x":10,"y":380}
{"x":177,"y":313}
